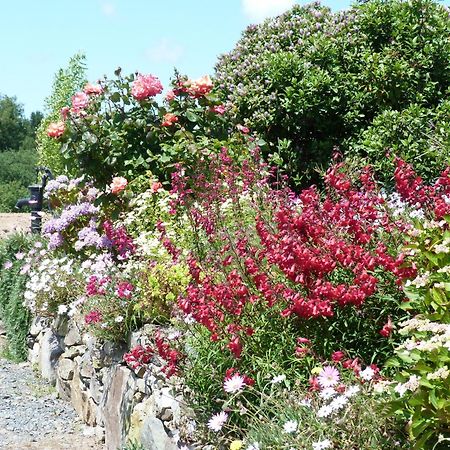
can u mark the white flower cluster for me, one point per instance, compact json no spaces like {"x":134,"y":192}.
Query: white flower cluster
{"x":338,"y":402}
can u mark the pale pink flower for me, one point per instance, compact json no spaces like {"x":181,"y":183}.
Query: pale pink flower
{"x":79,"y":101}
{"x":170,"y":95}
{"x":64,"y":112}
{"x":234,"y":384}
{"x":217,"y":421}
{"x":218,"y":109}
{"x":118,"y":185}
{"x":91,"y":89}
{"x":201,"y":86}
{"x":55,"y":129}
{"x":242,"y":129}
{"x":7,"y":265}
{"x":328,"y":377}
{"x":145,"y":86}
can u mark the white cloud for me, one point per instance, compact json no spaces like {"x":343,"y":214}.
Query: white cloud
{"x":258,"y":10}
{"x":164,"y":51}
{"x":108,"y":8}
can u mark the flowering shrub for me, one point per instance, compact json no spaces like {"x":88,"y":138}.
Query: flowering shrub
{"x":109,"y":306}
{"x":368,"y":79}
{"x":118,"y":128}
{"x":422,"y":387}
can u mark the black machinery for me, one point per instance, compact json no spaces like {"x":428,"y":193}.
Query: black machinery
{"x":36,"y":199}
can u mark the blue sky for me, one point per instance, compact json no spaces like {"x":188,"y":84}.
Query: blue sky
{"x":38,"y":37}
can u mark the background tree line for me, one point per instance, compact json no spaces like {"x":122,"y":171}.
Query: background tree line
{"x":18,"y":155}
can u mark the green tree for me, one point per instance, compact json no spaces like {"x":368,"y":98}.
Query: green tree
{"x":66,"y":83}
{"x":13,"y":125}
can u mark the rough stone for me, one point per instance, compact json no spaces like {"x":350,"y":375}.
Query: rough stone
{"x":72,"y":352}
{"x":49,"y":353}
{"x":112,"y":352}
{"x":73,"y":337}
{"x":37,"y":325}
{"x":149,"y":430}
{"x":63,"y":388}
{"x":95,"y":390}
{"x":33,"y":354}
{"x":66,"y":368}
{"x":81,"y":401}
{"x":61,"y":325}
{"x":86,"y":368}
{"x":116,"y":406}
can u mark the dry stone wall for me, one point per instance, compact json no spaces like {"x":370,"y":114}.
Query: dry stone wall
{"x":122,"y":404}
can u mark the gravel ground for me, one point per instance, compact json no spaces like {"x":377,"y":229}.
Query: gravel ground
{"x":32,"y":417}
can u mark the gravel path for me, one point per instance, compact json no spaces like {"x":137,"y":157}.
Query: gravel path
{"x":32,"y":417}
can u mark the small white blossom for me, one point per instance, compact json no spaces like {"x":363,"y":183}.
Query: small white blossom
{"x":290,"y":426}
{"x":321,"y":445}
{"x":367,"y":374}
{"x":278,"y":379}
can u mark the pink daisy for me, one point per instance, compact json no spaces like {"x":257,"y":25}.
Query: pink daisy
{"x":329,"y":376}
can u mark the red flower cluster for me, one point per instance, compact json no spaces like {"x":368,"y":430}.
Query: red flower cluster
{"x":120,"y":241}
{"x":305,"y":255}
{"x":138,"y":357}
{"x":432,"y":199}
{"x":169,"y":354}
{"x":124,"y":290}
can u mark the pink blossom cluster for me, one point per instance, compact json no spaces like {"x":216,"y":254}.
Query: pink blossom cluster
{"x":93,"y":316}
{"x":146,"y":86}
{"x":124,"y":290}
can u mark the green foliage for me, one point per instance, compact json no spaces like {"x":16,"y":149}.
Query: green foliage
{"x":16,"y":174}
{"x":420,"y":394}
{"x":310,"y":80}
{"x":417,"y":134}
{"x":67,"y":82}
{"x":160,"y":285}
{"x":14,"y":315}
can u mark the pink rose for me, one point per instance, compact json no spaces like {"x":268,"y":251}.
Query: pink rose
{"x":146,"y":86}
{"x":170,"y":95}
{"x":90,"y":89}
{"x":155,"y":187}
{"x":242,"y":129}
{"x":64,"y":112}
{"x":56,"y":129}
{"x":118,"y":185}
{"x":219,"y":109}
{"x":169,"y":119}
{"x":201,"y":86}
{"x":79,"y":101}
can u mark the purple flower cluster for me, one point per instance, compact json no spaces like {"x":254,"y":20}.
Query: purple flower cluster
{"x":54,"y":228}
{"x":69,"y":215}
{"x":90,"y":237}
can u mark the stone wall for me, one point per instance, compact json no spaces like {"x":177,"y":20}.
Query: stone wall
{"x":121,"y":404}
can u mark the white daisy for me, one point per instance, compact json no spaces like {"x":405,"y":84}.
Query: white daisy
{"x":234,"y":384}
{"x":217,"y":421}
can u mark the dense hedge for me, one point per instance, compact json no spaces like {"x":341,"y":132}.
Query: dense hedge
{"x":311,"y":80}
{"x":13,"y":314}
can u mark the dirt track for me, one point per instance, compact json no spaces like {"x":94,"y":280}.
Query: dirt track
{"x":14,"y":222}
